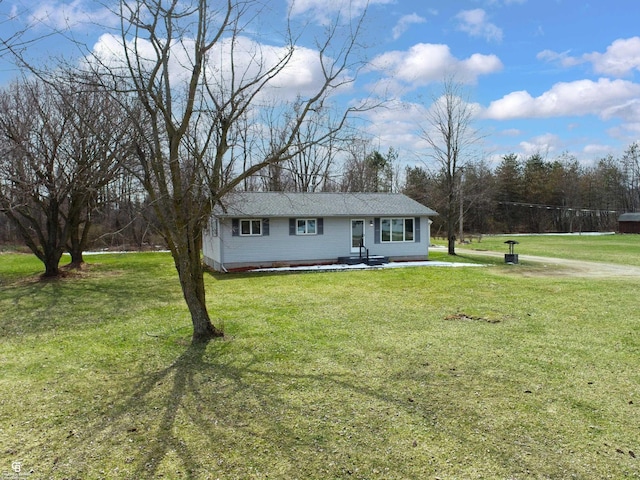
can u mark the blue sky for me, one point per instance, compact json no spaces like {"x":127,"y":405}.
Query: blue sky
{"x":551,"y":76}
{"x":547,"y":76}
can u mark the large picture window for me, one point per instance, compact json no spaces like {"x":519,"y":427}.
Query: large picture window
{"x":396,"y":229}
{"x":250,"y":227}
{"x":306,"y":226}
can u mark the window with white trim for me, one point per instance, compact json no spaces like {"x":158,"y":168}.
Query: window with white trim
{"x":396,"y":229}
{"x":250,"y":227}
{"x":213,"y":227}
{"x":306,"y":226}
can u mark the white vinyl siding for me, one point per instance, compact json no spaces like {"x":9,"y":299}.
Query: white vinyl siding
{"x":280,"y":245}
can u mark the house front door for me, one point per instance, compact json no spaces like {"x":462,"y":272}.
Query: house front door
{"x":357,"y":235}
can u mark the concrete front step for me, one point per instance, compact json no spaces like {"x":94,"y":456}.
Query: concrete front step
{"x":371,"y":260}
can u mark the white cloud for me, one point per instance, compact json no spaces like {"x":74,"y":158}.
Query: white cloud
{"x":597,"y":150}
{"x":603,"y":98}
{"x":398,"y":124}
{"x":425,"y":63}
{"x":476,"y":23}
{"x":405,"y":22}
{"x":511,"y":132}
{"x":620,"y":59}
{"x":626,"y":133}
{"x":323,"y":10}
{"x":545,"y":144}
{"x":301,"y":76}
{"x":563,"y":58}
{"x":628,"y":111}
{"x":73,"y":15}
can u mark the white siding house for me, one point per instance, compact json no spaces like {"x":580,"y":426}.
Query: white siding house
{"x":267,"y":229}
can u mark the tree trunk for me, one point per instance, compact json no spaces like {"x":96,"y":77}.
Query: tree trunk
{"x":77,"y":243}
{"x":51,"y":260}
{"x":191,"y":274}
{"x":75,"y":247}
{"x":52,"y":248}
{"x":78,"y":226}
{"x":451,"y":222}
{"x":452,"y":245}
{"x":77,"y":259}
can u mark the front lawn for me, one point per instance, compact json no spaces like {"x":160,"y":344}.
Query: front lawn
{"x":405,"y":373}
{"x":621,"y":249}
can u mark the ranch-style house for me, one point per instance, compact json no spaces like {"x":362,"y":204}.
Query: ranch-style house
{"x":251,"y":230}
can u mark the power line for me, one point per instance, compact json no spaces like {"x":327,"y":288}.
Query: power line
{"x":598,"y":211}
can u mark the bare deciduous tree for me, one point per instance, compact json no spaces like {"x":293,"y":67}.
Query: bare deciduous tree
{"x":59,"y":147}
{"x":311,"y":168}
{"x":199,"y":77}
{"x":630,"y":164}
{"x":449,"y":133}
{"x":367,"y":170}
{"x":32,"y":189}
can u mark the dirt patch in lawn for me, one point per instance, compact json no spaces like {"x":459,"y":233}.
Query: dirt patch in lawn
{"x":470,"y":318}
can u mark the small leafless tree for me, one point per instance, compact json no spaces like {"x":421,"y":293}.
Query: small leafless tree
{"x":32,"y":190}
{"x":365,"y":169}
{"x":311,"y":169}
{"x":100,"y":145}
{"x":448,"y":131}
{"x":630,"y":164}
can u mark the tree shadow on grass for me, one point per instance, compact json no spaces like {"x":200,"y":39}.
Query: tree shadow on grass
{"x":183,"y":371}
{"x":36,"y":305}
{"x":211,"y":415}
{"x":199,"y":416}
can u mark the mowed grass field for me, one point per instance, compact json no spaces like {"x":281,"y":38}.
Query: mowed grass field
{"x":412,"y":373}
{"x":618,"y":249}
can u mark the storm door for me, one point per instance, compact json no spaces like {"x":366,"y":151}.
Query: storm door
{"x":357,"y":235}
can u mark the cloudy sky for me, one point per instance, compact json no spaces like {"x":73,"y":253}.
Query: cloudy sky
{"x":547,"y":76}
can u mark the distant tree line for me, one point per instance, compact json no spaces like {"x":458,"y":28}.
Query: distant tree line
{"x":527,"y":194}
{"x":532,"y":194}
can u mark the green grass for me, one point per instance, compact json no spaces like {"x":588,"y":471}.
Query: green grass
{"x":392,"y":374}
{"x":622,"y":249}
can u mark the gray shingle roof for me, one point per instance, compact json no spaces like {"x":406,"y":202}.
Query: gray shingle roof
{"x":279,"y":204}
{"x":629,"y":217}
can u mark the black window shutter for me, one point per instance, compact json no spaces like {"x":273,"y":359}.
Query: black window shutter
{"x":235,"y":227}
{"x":320,"y":225}
{"x":376,"y":230}
{"x":265,"y":226}
{"x":416,"y":230}
{"x":292,"y":226}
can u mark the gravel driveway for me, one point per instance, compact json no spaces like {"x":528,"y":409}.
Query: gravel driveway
{"x":576,"y":268}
